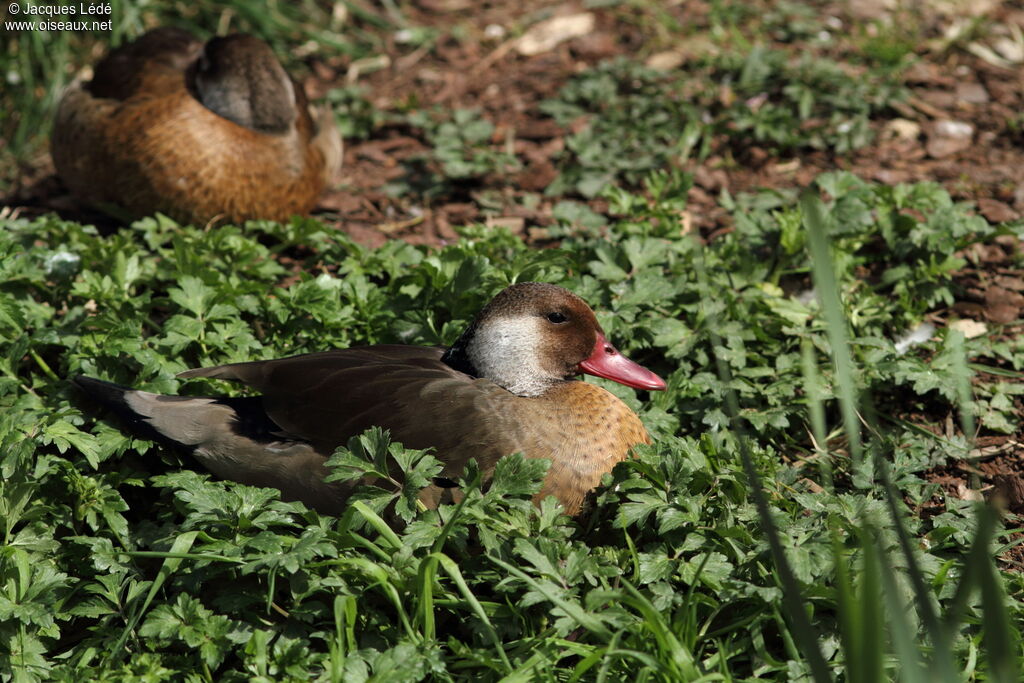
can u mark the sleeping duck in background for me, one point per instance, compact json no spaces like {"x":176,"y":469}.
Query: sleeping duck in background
{"x":509,"y":384}
{"x":194,"y":131}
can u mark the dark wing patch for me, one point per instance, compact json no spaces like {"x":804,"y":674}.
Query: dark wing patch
{"x":119,"y":74}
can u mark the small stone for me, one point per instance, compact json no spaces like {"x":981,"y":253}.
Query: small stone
{"x":538,"y":234}
{"x":786,"y":167}
{"x":888,"y":176}
{"x":938,"y":101}
{"x":683,"y":51}
{"x":997,"y":294}
{"x":871,"y":10}
{"x":923,"y":72}
{"x":597,"y":45}
{"x":958,"y":130}
{"x":980,"y":8}
{"x":971,"y":92}
{"x":949,"y":137}
{"x":903,"y":129}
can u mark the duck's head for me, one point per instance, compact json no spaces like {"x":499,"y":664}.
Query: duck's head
{"x":532,"y":336}
{"x":240,"y":78}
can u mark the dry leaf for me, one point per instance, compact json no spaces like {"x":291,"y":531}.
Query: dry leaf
{"x":965,"y":493}
{"x":666,"y":61}
{"x":514,"y":224}
{"x":543,"y":37}
{"x":970,"y":328}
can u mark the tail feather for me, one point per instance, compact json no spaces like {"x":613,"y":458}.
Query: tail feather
{"x":179,"y":420}
{"x":232,"y":437}
{"x":113,"y":397}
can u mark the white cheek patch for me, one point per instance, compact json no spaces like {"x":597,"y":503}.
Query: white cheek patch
{"x":506,"y":351}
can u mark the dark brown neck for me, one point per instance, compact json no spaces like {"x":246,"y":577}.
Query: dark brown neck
{"x":457,"y":356}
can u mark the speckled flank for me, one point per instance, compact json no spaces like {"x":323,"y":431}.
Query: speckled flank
{"x":596,"y":430}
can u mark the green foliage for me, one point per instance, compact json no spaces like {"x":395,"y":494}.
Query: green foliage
{"x":462,"y":151}
{"x":371,"y":455}
{"x":354,"y":114}
{"x":639,"y":119}
{"x":121,"y":561}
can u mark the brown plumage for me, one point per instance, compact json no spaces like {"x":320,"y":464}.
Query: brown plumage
{"x":508,"y":385}
{"x":195,"y":131}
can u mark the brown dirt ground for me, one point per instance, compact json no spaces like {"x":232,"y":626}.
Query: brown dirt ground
{"x":474,"y":71}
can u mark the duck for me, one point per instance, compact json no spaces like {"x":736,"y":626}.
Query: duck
{"x":509,"y":384}
{"x":199,"y":132}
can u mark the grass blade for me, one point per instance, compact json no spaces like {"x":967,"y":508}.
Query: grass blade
{"x":860,"y":613}
{"x":904,"y":637}
{"x":425,"y":584}
{"x":835,"y":320}
{"x":452,"y":569}
{"x":792,"y":598}
{"x":574,"y":611}
{"x":375,"y":520}
{"x":816,"y":411}
{"x":344,"y":635}
{"x":1000,"y":638}
{"x":682,"y":660}
{"x":942,"y":664}
{"x":172,"y":561}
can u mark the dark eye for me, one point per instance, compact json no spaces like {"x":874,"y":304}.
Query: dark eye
{"x":556,"y":317}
